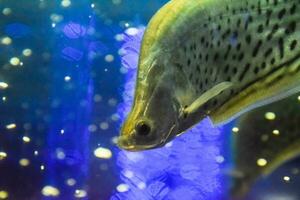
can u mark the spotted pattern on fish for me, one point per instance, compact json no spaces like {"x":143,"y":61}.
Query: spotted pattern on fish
{"x":216,"y":58}
{"x":243,"y":44}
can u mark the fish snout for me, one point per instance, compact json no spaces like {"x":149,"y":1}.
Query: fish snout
{"x":140,"y":137}
{"x":124,"y":142}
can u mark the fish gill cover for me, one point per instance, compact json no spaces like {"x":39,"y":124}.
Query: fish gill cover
{"x":189,"y":167}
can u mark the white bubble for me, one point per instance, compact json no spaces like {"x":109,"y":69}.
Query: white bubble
{"x":122,"y":188}
{"x":3,"y":194}
{"x":220,"y":159}
{"x":50,"y":191}
{"x":132,"y":31}
{"x":6,"y":11}
{"x":71,"y":182}
{"x":97,"y":98}
{"x":270,"y":115}
{"x":112,"y":102}
{"x":276,"y":132}
{"x":115,"y":117}
{"x":129,"y":174}
{"x":27,"y":52}
{"x":109,"y":58}
{"x":286,"y":178}
{"x":11,"y":126}
{"x":104,"y":125}
{"x":56,"y":18}
{"x":36,"y":153}
{"x":6,"y":40}
{"x":121,"y":52}
{"x":262,"y":162}
{"x":14,"y":61}
{"x":169,"y":144}
{"x":60,"y":154}
{"x":24,"y":162}
{"x":3,"y":155}
{"x":65,"y":3}
{"x":141,"y":185}
{"x":92,"y":128}
{"x":103,"y":153}
{"x":91,"y":31}
{"x":264,"y":137}
{"x":119,"y":37}
{"x":26,"y":139}
{"x":67,"y":78}
{"x":235,"y":129}
{"x":80,"y":193}
{"x":114,"y":140}
{"x":123,"y":70}
{"x":3,"y":85}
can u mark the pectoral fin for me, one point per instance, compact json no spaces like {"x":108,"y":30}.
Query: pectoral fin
{"x":206,"y":96}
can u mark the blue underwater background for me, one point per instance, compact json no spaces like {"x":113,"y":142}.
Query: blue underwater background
{"x":67,"y":75}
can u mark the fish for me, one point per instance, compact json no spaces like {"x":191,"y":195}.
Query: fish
{"x":263,"y":144}
{"x":211,"y":58}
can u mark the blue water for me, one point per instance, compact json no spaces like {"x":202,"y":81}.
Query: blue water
{"x":70,"y":67}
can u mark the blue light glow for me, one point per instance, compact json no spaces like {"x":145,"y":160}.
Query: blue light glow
{"x":72,"y":54}
{"x":17,"y":30}
{"x":186,"y":168}
{"x":68,"y":140}
{"x":73,"y":30}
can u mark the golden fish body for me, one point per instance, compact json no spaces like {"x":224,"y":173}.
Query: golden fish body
{"x":215,"y":58}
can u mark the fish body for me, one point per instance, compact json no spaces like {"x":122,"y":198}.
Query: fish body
{"x":216,"y":58}
{"x":262,"y":145}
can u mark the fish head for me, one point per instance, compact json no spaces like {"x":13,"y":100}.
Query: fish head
{"x":153,"y":120}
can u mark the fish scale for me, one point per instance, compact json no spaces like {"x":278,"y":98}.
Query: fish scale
{"x":241,"y":47}
{"x":216,"y":58}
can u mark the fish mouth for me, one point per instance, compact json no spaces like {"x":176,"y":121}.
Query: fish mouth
{"x":124,"y":143}
{"x":128,"y":145}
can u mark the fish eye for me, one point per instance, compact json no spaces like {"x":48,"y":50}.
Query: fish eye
{"x":142,"y":129}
